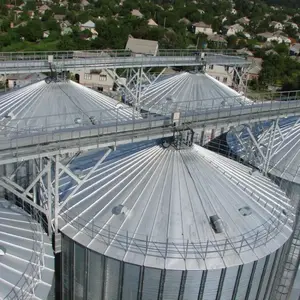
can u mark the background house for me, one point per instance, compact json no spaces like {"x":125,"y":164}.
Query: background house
{"x":101,"y":80}
{"x":66,"y":31}
{"x":84,"y":4}
{"x":137,"y":13}
{"x":276,"y":25}
{"x":223,"y":74}
{"x":217,"y":40}
{"x":255,"y":68}
{"x":275,"y":37}
{"x":59,"y":18}
{"x":243,"y":21}
{"x":43,"y":9}
{"x":20,"y":80}
{"x":151,"y":22}
{"x":141,"y":47}
{"x":234,"y":29}
{"x":87,"y":25}
{"x":291,"y":24}
{"x":295,"y":49}
{"x":201,"y":27}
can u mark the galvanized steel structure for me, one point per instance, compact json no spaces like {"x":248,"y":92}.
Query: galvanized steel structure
{"x":154,"y":222}
{"x":26,"y":256}
{"x":275,"y":149}
{"x":57,"y":105}
{"x":187,"y":91}
{"x":114,"y":59}
{"x":189,"y":245}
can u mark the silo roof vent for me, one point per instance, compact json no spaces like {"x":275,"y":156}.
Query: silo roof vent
{"x":93,"y":120}
{"x":2,"y":251}
{"x":245,"y":211}
{"x":119,"y":105}
{"x":216,"y":224}
{"x":170,"y":98}
{"x":223,"y":103}
{"x":77,"y":121}
{"x":254,"y":172}
{"x":120,"y":209}
{"x":10,"y":116}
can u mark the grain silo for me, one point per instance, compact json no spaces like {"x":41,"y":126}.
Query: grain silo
{"x":156,"y":222}
{"x":42,"y":107}
{"x":282,"y":148}
{"x":26,"y":256}
{"x":284,"y":168}
{"x":187,"y":91}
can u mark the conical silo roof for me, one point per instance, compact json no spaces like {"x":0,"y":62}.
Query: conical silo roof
{"x":58,"y":105}
{"x":26,"y":256}
{"x":284,"y":147}
{"x":155,"y":206}
{"x":189,"y":91}
{"x":285,"y":157}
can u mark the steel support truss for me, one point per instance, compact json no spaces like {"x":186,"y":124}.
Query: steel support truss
{"x":42,"y":189}
{"x":260,"y":142}
{"x":240,"y":77}
{"x":135,"y":79}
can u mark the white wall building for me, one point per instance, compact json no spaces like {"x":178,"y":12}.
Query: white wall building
{"x":101,"y":80}
{"x":234,"y":29}
{"x":201,"y":27}
{"x":293,"y":25}
{"x":22,"y":79}
{"x":223,"y":74}
{"x":276,"y":25}
{"x":275,"y":37}
{"x":87,"y":25}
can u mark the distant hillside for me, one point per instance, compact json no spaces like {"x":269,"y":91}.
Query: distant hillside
{"x":287,"y":3}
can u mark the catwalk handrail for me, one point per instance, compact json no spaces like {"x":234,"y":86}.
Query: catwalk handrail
{"x":37,"y":55}
{"x":177,"y":248}
{"x":131,"y":124}
{"x":24,"y":288}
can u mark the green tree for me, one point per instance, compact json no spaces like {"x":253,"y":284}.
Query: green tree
{"x":5,"y":40}
{"x":232,"y":41}
{"x":66,"y":43}
{"x":3,"y":9}
{"x":47,"y":15}
{"x":52,"y":25}
{"x":33,"y":31}
{"x":30,"y":5}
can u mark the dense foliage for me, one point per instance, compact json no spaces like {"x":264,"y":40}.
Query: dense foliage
{"x":114,"y":23}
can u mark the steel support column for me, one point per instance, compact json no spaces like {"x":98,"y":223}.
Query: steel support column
{"x":42,"y":192}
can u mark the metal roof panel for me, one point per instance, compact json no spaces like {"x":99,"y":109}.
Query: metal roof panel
{"x":24,"y":245}
{"x":58,"y":105}
{"x":158,"y":199}
{"x":188,"y":91}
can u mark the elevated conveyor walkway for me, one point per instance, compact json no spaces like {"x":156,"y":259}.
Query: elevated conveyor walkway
{"x":28,"y":143}
{"x":24,"y":62}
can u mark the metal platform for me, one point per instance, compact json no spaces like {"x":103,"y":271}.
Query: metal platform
{"x":29,"y":143}
{"x":24,"y":62}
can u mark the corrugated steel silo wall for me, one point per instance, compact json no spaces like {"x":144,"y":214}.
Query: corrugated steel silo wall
{"x":92,"y":276}
{"x":290,"y":261}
